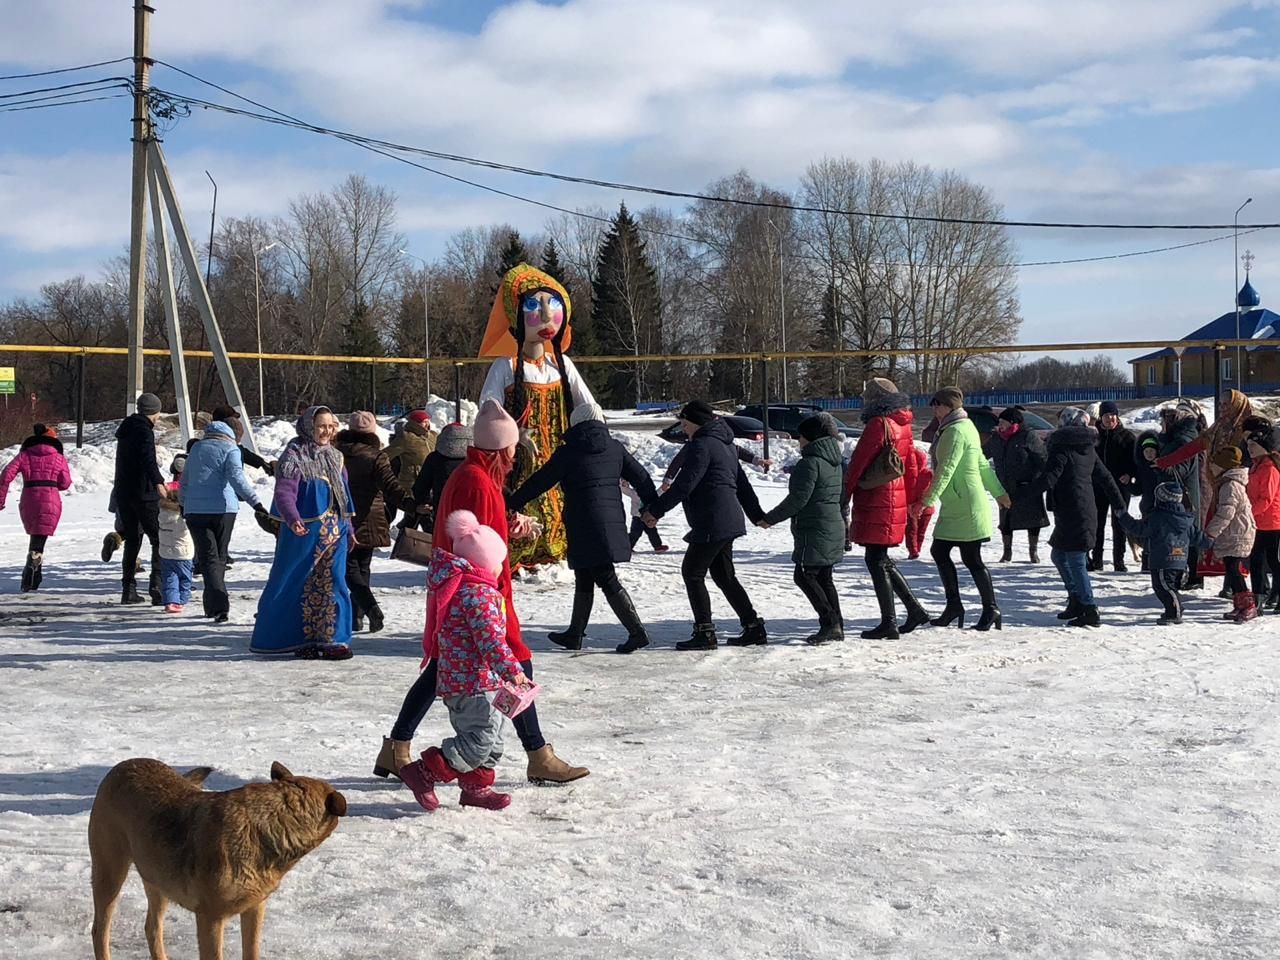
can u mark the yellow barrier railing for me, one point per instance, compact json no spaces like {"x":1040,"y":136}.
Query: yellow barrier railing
{"x":664,"y":357}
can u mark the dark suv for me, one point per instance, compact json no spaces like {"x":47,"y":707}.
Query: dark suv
{"x":787,"y":417}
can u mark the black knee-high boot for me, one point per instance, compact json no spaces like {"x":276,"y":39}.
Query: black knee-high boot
{"x":986,"y":589}
{"x":916,"y":615}
{"x":584,"y":595}
{"x":1033,"y":545}
{"x":951,"y":585}
{"x":619,"y":601}
{"x":1007,"y":555}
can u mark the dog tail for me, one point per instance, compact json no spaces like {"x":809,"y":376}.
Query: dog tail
{"x":198,"y":776}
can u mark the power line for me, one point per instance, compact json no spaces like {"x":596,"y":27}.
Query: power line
{"x":66,"y":93}
{"x":287,"y":120}
{"x":50,"y":73}
{"x":367,"y":144}
{"x":65,"y":86}
{"x":66,"y":103}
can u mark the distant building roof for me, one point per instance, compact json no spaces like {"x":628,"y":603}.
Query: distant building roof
{"x":1224,"y":328}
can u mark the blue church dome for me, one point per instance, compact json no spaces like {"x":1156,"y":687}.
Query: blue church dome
{"x":1247,"y":298}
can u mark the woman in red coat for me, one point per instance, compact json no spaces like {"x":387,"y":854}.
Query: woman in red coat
{"x":45,"y":475}
{"x":477,"y":486}
{"x":880,"y":512}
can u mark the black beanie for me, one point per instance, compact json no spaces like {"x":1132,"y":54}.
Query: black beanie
{"x":698,"y":412}
{"x":1108,"y":406}
{"x":1011,"y":414}
{"x":818,"y":426}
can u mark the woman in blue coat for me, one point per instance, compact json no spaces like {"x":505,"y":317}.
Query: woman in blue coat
{"x":211,"y":488}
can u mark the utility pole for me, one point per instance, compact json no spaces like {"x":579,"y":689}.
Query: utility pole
{"x":426,"y":318}
{"x":138,"y":204}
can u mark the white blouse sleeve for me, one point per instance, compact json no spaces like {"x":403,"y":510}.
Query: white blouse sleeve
{"x":500,"y":377}
{"x":578,"y":388}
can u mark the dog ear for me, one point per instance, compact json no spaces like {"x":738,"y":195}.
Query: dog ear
{"x":280,"y":772}
{"x":198,"y":775}
{"x":336,"y":804}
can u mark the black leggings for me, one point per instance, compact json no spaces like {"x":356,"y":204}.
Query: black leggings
{"x":423,"y":693}
{"x":971,"y":557}
{"x":820,"y":590}
{"x":1265,"y":558}
{"x":37,"y":543}
{"x":1234,"y":578}
{"x":715,"y":558}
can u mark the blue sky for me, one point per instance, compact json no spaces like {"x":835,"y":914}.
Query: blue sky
{"x":1100,"y":111}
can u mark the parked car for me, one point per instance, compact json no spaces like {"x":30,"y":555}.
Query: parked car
{"x":744,"y":428}
{"x":787,"y":417}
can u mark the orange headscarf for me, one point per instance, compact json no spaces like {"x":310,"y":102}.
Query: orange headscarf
{"x":504,"y":319}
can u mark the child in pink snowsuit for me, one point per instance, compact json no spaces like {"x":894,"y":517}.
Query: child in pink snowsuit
{"x":467,"y":632}
{"x":44,"y":476}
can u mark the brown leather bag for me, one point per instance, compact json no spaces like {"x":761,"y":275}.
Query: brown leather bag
{"x":412,"y":546}
{"x":886,"y":467}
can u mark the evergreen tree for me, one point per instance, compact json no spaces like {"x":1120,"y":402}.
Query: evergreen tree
{"x":552,"y":266}
{"x":512,"y":255}
{"x":626,"y":309}
{"x":360,"y":339}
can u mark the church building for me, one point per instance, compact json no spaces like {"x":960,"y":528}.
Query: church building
{"x":1157,"y":374}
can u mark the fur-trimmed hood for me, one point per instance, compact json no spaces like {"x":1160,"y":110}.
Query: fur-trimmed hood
{"x":1073,"y":436}
{"x":42,"y":441}
{"x":885,"y":405}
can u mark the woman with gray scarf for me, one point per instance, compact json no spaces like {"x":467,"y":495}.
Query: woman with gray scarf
{"x":305,"y":608}
{"x":962,"y":479}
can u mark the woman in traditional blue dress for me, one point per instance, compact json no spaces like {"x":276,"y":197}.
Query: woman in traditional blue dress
{"x":305,"y":609}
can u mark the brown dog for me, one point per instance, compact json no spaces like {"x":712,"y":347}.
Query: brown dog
{"x":217,"y":854}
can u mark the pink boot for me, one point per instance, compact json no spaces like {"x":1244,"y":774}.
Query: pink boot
{"x":477,"y":790}
{"x":1246,"y":607}
{"x":173,"y":608}
{"x":421,"y":777}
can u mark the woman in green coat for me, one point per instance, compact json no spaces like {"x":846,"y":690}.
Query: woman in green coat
{"x":962,"y":478}
{"x":812,"y":505}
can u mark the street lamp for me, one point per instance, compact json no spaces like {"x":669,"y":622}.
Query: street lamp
{"x":782,"y":295}
{"x":1236,"y":232}
{"x":257,"y":299}
{"x":426,"y":318}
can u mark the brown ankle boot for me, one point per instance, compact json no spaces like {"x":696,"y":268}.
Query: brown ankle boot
{"x":393,"y":755}
{"x":546,"y":767}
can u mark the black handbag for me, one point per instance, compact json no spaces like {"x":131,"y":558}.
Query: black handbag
{"x":412,"y":546}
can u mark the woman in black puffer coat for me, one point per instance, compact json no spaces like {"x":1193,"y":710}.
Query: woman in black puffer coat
{"x":588,"y":466}
{"x":1019,"y":456}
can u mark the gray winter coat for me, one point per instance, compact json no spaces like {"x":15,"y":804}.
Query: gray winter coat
{"x":812,"y":505}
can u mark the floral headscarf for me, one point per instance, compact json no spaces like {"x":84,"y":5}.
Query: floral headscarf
{"x":306,"y":459}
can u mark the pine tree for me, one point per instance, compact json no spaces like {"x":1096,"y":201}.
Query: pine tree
{"x":360,"y":339}
{"x":513,"y":254}
{"x":552,"y":266}
{"x":626,"y":309}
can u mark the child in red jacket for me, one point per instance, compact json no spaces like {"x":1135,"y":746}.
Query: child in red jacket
{"x":467,"y":617}
{"x":916,"y":526}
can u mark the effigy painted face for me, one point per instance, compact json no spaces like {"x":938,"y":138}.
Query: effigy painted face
{"x":542,"y":316}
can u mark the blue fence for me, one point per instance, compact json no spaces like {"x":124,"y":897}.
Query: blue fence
{"x":1007,"y":398}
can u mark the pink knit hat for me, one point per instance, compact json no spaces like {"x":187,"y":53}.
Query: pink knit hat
{"x":362,"y":421}
{"x":494,"y":428}
{"x":474,"y":542}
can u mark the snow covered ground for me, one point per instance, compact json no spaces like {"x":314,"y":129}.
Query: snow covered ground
{"x":1038,"y":792}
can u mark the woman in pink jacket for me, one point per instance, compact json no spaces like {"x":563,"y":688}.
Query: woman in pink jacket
{"x":44,"y":476}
